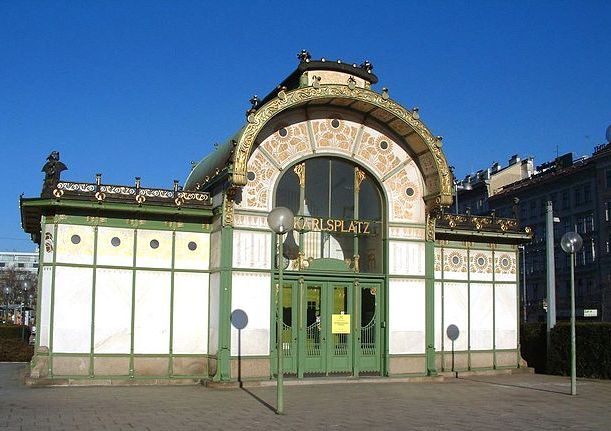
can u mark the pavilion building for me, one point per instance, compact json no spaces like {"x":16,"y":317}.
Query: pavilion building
{"x":138,"y":283}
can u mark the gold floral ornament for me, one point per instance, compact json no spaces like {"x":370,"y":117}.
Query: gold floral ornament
{"x":441,"y":190}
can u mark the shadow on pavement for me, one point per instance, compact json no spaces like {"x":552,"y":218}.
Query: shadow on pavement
{"x":261,"y":400}
{"x":516,"y":386}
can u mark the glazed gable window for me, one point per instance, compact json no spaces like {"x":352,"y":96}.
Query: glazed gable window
{"x":342,"y":206}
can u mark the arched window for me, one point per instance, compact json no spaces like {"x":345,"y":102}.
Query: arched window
{"x":338,"y":208}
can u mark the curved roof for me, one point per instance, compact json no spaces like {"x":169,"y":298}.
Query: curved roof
{"x":230,"y":159}
{"x":215,"y":163}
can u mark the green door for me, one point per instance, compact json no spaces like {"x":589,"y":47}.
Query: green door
{"x":331,"y":327}
{"x":368,"y":347}
{"x":289,"y":327}
{"x":323,"y":349}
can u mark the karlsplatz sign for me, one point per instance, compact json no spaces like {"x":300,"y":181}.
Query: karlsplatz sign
{"x":319,"y":224}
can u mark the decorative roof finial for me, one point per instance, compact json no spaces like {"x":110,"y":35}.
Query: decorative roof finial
{"x":254,"y":104}
{"x":52,"y":169}
{"x":304,"y":56}
{"x":367,"y":66}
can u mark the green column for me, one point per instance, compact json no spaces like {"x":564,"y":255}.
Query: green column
{"x":223,"y":371}
{"x":429,"y":300}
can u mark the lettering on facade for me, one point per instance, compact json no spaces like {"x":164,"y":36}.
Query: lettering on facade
{"x":316,"y":224}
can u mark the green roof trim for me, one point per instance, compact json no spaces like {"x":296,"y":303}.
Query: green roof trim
{"x":214,"y":164}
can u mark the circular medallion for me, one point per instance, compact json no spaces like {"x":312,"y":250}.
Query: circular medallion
{"x":410,"y":192}
{"x":335,"y":123}
{"x":251,"y":176}
{"x":283,"y":132}
{"x":192,"y":246}
{"x":115,"y":241}
{"x":75,"y":239}
{"x":384,"y":145}
{"x":154,"y":243}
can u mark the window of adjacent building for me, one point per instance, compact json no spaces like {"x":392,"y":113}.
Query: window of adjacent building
{"x":566,"y":199}
{"x":533,"y":208}
{"x":578,"y":195}
{"x":587,"y":193}
{"x":608,"y":174}
{"x":607,"y":207}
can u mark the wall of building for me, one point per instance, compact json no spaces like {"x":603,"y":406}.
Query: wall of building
{"x":123,"y":298}
{"x":476,"y":289}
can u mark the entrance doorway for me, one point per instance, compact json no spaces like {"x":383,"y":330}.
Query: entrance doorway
{"x":331,"y":327}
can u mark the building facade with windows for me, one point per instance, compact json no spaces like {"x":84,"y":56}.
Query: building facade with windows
{"x":580,"y":192}
{"x":152,"y":276}
{"x":20,"y":261}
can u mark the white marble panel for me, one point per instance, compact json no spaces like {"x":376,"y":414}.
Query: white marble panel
{"x":72,"y":310}
{"x":45,"y":306}
{"x":115,"y":246}
{"x":152,"y":312}
{"x":455,"y":264}
{"x":254,"y":221}
{"x":455,"y":310}
{"x":190,"y":329}
{"x":68,"y":251}
{"x":481,"y":318}
{"x":185,"y":258}
{"x":251,"y":249}
{"x":438,"y":317}
{"x":48,"y":243}
{"x":480,"y":265}
{"x":406,"y":232}
{"x":406,"y":318}
{"x":214,"y":306}
{"x":147,"y":256}
{"x":406,"y":258}
{"x":251,"y":293}
{"x":113,"y":310}
{"x":215,"y":249}
{"x":506,"y":315}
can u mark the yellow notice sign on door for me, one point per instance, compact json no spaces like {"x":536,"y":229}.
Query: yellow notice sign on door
{"x":340,"y":323}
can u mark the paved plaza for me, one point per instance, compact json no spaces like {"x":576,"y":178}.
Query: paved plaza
{"x":501,"y":402}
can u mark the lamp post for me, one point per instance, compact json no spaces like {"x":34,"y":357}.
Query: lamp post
{"x":280,"y":221}
{"x":7,"y":290}
{"x":571,"y":243}
{"x":25,"y":290}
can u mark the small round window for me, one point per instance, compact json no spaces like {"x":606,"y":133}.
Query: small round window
{"x":154,"y":243}
{"x":481,"y":261}
{"x":283,"y":132}
{"x":455,"y":260}
{"x":192,"y":245}
{"x":115,"y":241}
{"x":335,"y":123}
{"x":409,"y":192}
{"x":75,"y":239}
{"x":505,"y":262}
{"x":251,"y":176}
{"x":384,"y":145}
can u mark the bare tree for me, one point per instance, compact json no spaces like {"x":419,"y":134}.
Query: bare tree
{"x":17,"y":287}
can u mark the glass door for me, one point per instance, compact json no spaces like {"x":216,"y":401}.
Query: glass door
{"x":312,"y":329}
{"x":368,"y":347}
{"x":339,"y":332}
{"x":289,"y":327}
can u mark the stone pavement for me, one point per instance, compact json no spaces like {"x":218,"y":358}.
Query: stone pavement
{"x":501,"y":402}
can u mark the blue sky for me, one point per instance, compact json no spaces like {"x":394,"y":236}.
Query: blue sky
{"x":142,"y":88}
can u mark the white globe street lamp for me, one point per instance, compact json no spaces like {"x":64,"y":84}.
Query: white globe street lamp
{"x":571,"y":243}
{"x":280,"y":221}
